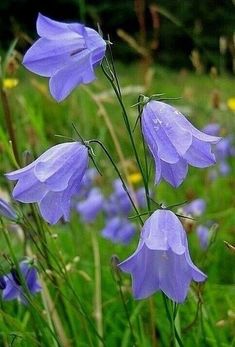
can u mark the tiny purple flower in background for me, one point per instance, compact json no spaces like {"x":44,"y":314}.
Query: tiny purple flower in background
{"x":52,"y":180}
{"x":223,"y":149}
{"x":119,"y":230}
{"x":203,"y":234}
{"x":141,"y":197}
{"x":224,"y":168}
{"x":162,"y":260}
{"x":7,"y":211}
{"x":67,"y":53}
{"x":121,"y":197}
{"x":89,"y":208}
{"x":195,"y":207}
{"x":174,"y":142}
{"x":3,"y":283}
{"x":14,"y":289}
{"x":118,"y":202}
{"x":212,"y":129}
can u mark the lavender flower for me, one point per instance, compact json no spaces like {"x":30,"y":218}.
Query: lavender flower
{"x":212,"y":129}
{"x":195,"y":207}
{"x":90,"y":207}
{"x":203,"y":235}
{"x":118,"y":202}
{"x":162,"y":260}
{"x":174,"y":142}
{"x":52,"y":180}
{"x":14,"y":289}
{"x":119,"y":230}
{"x":67,"y":53}
{"x":7,"y":211}
{"x":223,"y":149}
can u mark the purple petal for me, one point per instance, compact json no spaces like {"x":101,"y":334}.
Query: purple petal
{"x":55,"y":170}
{"x":12,"y":290}
{"x":29,"y":190}
{"x":46,"y":57}
{"x":52,"y":29}
{"x":174,"y":173}
{"x":199,"y":154}
{"x":180,"y":138}
{"x":174,"y":275}
{"x":51,"y":207}
{"x":65,"y":80}
{"x":6,"y":210}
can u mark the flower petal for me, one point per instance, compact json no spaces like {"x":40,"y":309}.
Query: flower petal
{"x":179,"y":137}
{"x":174,"y":275}
{"x":65,"y":80}
{"x":52,"y":29}
{"x":11,"y":291}
{"x":174,"y":173}
{"x":46,"y":57}
{"x":28,"y":189}
{"x":199,"y":154}
{"x":56,"y":169}
{"x":50,"y":207}
{"x":143,"y":266}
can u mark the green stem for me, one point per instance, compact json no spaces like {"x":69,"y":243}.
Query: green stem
{"x":116,"y":87}
{"x":98,"y":290}
{"x":120,"y":176}
{"x":9,"y":124}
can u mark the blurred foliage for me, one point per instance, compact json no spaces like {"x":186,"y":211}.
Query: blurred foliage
{"x":181,"y":30}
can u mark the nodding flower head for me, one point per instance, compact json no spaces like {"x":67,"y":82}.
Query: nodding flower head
{"x":174,"y":142}
{"x":161,"y":260}
{"x":52,"y":180}
{"x":67,"y":53}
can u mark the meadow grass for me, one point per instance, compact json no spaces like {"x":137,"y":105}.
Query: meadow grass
{"x":72,"y":256}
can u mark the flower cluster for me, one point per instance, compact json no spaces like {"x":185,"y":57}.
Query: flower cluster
{"x":68,"y":54}
{"x":204,"y":232}
{"x":224,"y":150}
{"x":16,"y":286}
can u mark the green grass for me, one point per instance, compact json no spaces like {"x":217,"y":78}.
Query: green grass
{"x":66,"y":264}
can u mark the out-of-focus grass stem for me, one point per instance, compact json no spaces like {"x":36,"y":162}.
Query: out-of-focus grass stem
{"x":9,"y":124}
{"x":98,"y":290}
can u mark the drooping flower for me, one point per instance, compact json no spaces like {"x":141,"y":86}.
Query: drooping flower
{"x":119,"y":230}
{"x":203,"y":234}
{"x":91,"y":206}
{"x":14,"y":289}
{"x":174,"y":142}
{"x":67,"y":53}
{"x":161,"y":260}
{"x":7,"y":211}
{"x":195,"y":207}
{"x":52,"y":180}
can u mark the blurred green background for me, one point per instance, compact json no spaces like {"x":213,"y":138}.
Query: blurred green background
{"x":172,"y":30}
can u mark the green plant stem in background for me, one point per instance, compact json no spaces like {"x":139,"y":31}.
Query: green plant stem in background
{"x":171,"y":315}
{"x":120,"y":176}
{"x":9,"y":124}
{"x":38,"y":321}
{"x":113,"y":79}
{"x":98,"y":289}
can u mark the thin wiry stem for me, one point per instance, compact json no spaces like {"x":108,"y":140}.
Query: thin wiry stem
{"x":120,"y":176}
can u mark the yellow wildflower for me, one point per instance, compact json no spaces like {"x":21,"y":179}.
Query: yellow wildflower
{"x":135,"y":178}
{"x":9,"y":83}
{"x":231,"y":104}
